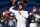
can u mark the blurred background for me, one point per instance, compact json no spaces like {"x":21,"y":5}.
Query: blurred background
{"x":32,"y":6}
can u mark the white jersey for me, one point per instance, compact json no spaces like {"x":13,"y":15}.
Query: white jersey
{"x":21,"y":18}
{"x":32,"y":25}
{"x":37,"y":17}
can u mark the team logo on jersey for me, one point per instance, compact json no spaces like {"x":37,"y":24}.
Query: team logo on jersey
{"x":10,"y":23}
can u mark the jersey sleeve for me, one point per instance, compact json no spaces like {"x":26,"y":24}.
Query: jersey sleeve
{"x":3,"y":13}
{"x":25,"y":15}
{"x":11,"y":10}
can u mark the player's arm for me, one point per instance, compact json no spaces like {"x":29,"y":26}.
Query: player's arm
{"x":25,"y":15}
{"x":0,"y":19}
{"x":11,"y":10}
{"x":3,"y":20}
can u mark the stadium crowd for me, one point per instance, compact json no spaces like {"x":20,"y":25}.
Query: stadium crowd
{"x":8,"y":19}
